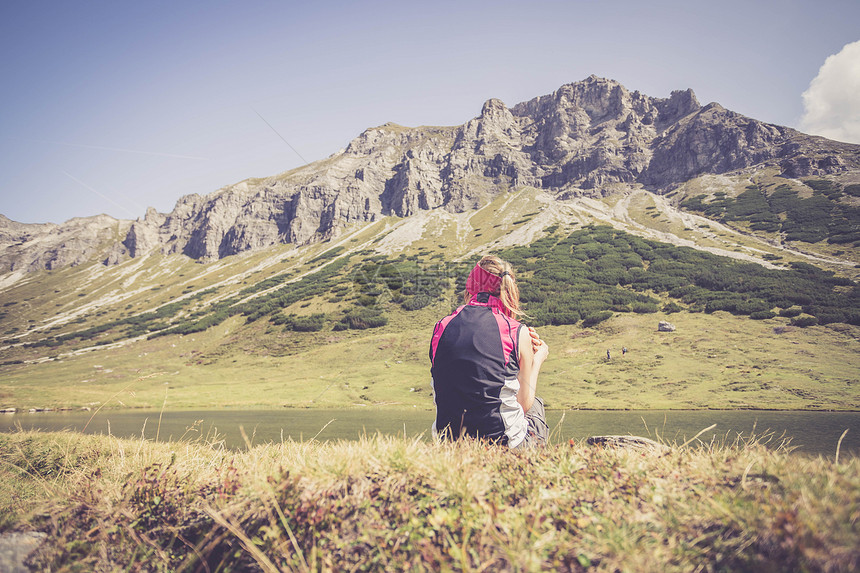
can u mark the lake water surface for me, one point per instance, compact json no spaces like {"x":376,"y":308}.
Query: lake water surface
{"x":810,"y":432}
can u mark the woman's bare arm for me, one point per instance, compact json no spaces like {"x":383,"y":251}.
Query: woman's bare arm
{"x":533,"y":352}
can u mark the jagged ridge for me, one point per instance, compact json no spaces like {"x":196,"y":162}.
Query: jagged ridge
{"x":582,"y":139}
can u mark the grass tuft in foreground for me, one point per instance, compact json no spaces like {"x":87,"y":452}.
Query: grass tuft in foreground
{"x":385,"y":503}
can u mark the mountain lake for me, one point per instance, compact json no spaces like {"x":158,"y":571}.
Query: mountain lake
{"x":809,"y":432}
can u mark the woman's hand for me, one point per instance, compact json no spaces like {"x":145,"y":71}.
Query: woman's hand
{"x":536,"y":341}
{"x":540,"y":348}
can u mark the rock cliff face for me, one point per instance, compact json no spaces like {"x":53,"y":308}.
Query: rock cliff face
{"x":579,"y":140}
{"x":48,"y":246}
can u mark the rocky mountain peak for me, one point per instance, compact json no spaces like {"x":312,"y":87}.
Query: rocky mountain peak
{"x":493,"y":107}
{"x":583,"y":139}
{"x":152,"y":216}
{"x":597,"y":97}
{"x":680,"y":104}
{"x":49,"y":246}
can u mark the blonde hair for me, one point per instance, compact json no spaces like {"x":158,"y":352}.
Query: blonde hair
{"x":508,"y":292}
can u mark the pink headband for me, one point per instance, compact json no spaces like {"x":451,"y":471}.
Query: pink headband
{"x":481,"y":280}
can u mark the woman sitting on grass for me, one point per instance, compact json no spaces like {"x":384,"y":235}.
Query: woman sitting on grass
{"x":485,"y":364}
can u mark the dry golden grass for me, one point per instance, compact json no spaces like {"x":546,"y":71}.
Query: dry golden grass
{"x":385,"y":503}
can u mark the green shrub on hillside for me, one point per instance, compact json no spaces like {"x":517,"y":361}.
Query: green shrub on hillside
{"x":645,"y":307}
{"x":596,"y":318}
{"x":329,"y":254}
{"x":762,"y":314}
{"x":804,"y":321}
{"x":825,"y":186}
{"x":363,"y":318}
{"x":790,"y":312}
{"x":822,"y":216}
{"x":600,"y":269}
{"x":312,"y":323}
{"x":416,"y":302}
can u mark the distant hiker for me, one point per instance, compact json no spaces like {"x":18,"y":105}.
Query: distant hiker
{"x":485,"y":364}
{"x":608,"y":357}
{"x":623,"y":350}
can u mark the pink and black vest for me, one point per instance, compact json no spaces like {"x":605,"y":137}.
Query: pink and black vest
{"x":474,"y":354}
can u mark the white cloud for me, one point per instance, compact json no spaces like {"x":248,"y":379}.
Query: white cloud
{"x":832,"y":102}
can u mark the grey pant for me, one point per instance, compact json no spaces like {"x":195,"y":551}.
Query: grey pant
{"x":538,"y":431}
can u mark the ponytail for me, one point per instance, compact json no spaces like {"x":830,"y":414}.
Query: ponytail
{"x":507,"y":292}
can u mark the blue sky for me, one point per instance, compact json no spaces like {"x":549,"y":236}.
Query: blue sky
{"x":110,"y":107}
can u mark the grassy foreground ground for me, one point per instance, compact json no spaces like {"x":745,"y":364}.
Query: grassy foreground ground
{"x":392,"y":504}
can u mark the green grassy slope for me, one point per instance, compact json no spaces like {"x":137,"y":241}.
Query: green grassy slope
{"x":710,"y":361}
{"x":347,"y":322}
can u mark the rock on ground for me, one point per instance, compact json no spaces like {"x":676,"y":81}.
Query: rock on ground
{"x":15,"y":548}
